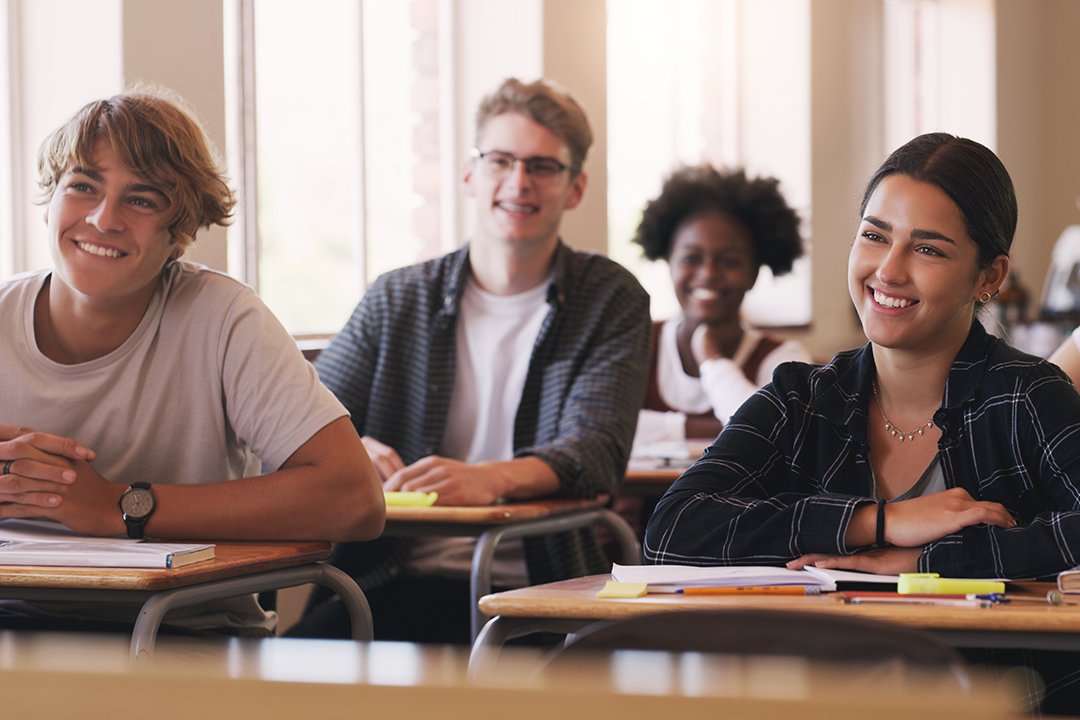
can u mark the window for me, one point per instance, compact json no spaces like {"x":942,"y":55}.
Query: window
{"x":939,"y":69}
{"x":695,"y":95}
{"x":341,"y":114}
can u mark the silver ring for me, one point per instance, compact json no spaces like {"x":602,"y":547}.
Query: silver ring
{"x":7,"y":467}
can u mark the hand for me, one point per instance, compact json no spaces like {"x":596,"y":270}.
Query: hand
{"x":915,"y":522}
{"x":456,"y":482}
{"x":881,"y":561}
{"x":383,"y":457}
{"x":38,"y":465}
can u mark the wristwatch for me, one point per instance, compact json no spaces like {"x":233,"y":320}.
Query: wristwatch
{"x":136,"y":507}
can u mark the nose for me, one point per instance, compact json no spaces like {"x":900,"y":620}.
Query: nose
{"x":517,"y":176}
{"x":105,"y":216}
{"x":892,"y":270}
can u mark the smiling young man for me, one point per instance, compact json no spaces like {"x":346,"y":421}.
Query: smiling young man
{"x":512,"y":368}
{"x":143,"y":395}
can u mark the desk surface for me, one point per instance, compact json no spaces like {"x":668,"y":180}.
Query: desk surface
{"x":284,"y":678}
{"x":491,"y":514}
{"x":231,"y":559}
{"x":576,"y":599}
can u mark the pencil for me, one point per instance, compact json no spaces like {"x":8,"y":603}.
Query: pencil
{"x":753,"y":590}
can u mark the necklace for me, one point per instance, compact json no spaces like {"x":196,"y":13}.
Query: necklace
{"x":892,"y":429}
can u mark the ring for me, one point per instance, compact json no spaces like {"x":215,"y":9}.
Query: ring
{"x":7,"y":467}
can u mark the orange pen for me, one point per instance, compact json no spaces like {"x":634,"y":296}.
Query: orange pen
{"x":753,"y":590}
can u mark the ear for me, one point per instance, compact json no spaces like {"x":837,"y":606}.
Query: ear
{"x":576,"y":191}
{"x":994,"y":276}
{"x":467,"y":176}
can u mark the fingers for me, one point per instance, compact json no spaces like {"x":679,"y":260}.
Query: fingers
{"x":30,"y":508}
{"x":17,"y":442}
{"x":800,"y":563}
{"x":27,"y":469}
{"x":383,"y":457}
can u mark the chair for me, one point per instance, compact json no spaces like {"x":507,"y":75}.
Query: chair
{"x":815,"y":637}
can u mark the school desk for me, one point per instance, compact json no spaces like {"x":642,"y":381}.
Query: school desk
{"x":53,"y":676}
{"x":490,"y":524}
{"x":569,"y":605}
{"x":238,"y":568}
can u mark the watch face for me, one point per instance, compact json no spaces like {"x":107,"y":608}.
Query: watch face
{"x":137,"y":503}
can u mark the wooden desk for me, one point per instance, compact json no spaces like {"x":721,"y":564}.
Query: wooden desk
{"x":650,"y":481}
{"x":238,"y":568}
{"x":569,"y":605}
{"x":490,"y":524}
{"x":49,"y":676}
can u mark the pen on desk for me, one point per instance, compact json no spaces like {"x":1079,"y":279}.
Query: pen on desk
{"x":908,"y":600}
{"x":753,"y":590}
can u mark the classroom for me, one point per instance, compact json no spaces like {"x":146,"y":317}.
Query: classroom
{"x":349,"y":135}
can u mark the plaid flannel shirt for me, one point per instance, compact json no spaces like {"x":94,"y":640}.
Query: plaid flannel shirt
{"x":392,"y":366}
{"x":784,"y":478}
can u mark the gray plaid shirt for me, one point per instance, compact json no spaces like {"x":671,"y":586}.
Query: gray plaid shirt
{"x":784,"y":478}
{"x":392,"y":366}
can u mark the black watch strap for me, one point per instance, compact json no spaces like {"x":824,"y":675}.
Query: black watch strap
{"x":136,"y":507}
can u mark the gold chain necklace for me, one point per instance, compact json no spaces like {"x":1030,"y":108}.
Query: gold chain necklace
{"x":892,"y":429}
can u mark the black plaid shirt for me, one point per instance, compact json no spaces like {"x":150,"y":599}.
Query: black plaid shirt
{"x":392,"y":366}
{"x":785,"y":475}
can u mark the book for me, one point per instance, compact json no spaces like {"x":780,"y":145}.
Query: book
{"x":674,"y":578}
{"x":1068,"y":581}
{"x":30,"y":542}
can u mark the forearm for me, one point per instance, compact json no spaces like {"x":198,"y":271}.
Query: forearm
{"x":726,"y":386}
{"x":524,"y":478}
{"x":327,"y":490}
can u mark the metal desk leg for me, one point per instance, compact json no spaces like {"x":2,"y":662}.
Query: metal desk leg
{"x":480,"y":577}
{"x":144,"y":635}
{"x":624,"y":535}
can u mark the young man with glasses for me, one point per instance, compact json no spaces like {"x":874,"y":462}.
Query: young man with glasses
{"x":512,"y":368}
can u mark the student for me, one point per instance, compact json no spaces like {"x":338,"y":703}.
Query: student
{"x":142,"y":394}
{"x":935,"y":447}
{"x":715,"y":230}
{"x":509,"y":369}
{"x":1067,"y":357}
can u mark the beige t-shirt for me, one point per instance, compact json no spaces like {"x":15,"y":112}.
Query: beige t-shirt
{"x":209,"y":387}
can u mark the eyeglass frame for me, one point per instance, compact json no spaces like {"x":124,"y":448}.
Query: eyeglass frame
{"x":574,"y":168}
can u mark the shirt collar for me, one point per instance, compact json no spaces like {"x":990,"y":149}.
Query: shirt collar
{"x":563,"y":277}
{"x":846,"y":397}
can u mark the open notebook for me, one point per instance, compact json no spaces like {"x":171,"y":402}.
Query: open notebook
{"x":673,"y":578}
{"x":39,"y":542}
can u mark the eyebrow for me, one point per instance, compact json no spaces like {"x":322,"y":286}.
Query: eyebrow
{"x":917,"y":233}
{"x":134,"y":187}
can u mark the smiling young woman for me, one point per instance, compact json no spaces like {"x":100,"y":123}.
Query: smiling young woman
{"x":934,"y":448}
{"x":715,"y":230}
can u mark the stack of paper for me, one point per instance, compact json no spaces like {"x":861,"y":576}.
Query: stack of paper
{"x":30,"y":542}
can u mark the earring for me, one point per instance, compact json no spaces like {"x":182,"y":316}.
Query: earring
{"x":985,"y":297}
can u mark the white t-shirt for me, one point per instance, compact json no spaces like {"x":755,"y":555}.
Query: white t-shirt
{"x":208,"y":387}
{"x":494,"y":344}
{"x":722,"y":387}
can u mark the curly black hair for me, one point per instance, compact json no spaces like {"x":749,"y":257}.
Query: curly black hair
{"x":756,"y":202}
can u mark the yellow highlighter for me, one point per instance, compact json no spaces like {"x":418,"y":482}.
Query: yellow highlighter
{"x":410,"y":499}
{"x":934,"y":584}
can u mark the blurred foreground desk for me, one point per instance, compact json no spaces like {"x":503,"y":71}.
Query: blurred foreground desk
{"x":490,"y":524}
{"x":570,"y":605}
{"x":238,"y":568}
{"x":54,"y":676}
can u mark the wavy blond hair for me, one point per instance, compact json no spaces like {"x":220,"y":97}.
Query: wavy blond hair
{"x":155,"y":136}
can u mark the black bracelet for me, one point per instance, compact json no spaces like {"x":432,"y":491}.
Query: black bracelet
{"x":880,"y":524}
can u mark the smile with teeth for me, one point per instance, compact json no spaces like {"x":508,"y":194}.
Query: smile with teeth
{"x":98,"y":250}
{"x":511,"y":207}
{"x":704,"y":294}
{"x":890,"y":302}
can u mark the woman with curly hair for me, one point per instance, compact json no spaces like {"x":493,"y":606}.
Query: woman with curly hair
{"x":715,"y":230}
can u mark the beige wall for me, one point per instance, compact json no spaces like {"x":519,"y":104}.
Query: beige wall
{"x":1039,"y":123}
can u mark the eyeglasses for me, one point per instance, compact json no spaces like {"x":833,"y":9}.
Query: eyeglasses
{"x":499,"y":164}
